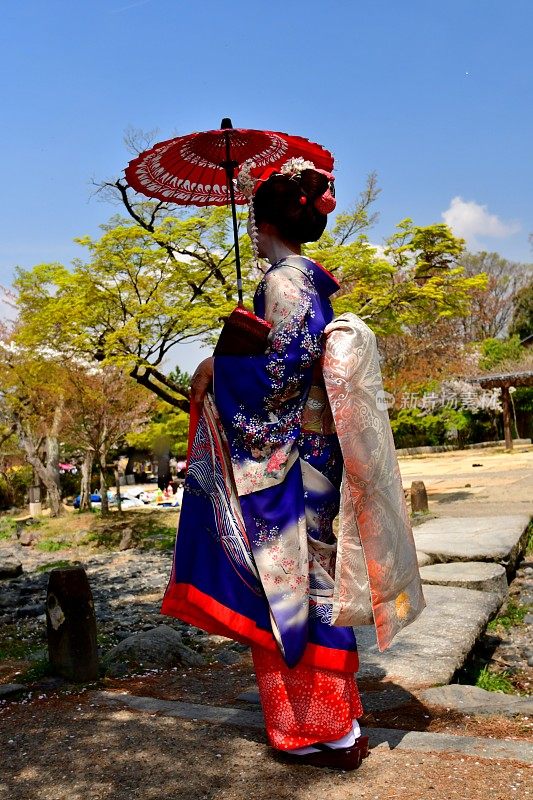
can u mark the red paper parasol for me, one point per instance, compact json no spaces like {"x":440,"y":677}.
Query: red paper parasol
{"x":199,"y":169}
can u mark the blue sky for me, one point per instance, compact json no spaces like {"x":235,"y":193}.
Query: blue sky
{"x":437,"y":97}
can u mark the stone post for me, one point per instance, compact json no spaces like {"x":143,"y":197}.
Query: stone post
{"x":71,"y":625}
{"x":35,"y":501}
{"x":419,"y":497}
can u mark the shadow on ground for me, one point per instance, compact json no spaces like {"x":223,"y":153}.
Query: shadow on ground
{"x":72,"y":748}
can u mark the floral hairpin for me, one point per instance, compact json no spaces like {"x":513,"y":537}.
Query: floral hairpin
{"x":244,"y":180}
{"x":295,"y":166}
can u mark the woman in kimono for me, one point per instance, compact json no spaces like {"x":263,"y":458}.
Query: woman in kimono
{"x":255,"y":551}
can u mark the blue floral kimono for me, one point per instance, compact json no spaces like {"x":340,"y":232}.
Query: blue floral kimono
{"x":255,"y":550}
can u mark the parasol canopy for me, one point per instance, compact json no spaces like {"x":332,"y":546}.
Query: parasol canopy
{"x":193,"y":169}
{"x":199,"y":168}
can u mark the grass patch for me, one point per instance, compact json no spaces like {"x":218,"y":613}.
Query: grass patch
{"x":495,"y":681}
{"x":39,"y":669}
{"x":152,"y":529}
{"x":20,"y":641}
{"x":7,"y":528}
{"x":60,"y":564}
{"x":476,"y":672}
{"x":513,"y":615}
{"x":106,"y":641}
{"x":11,"y":648}
{"x":52,"y":545}
{"x":158,"y":536}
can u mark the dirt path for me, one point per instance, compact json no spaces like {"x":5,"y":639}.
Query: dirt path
{"x":68,"y":749}
{"x":456,"y":488}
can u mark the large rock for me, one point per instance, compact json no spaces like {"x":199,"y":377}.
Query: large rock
{"x":8,"y":690}
{"x":482,"y":576}
{"x":126,"y":542}
{"x":501,"y":539}
{"x":473,"y":700}
{"x":434,"y":646}
{"x":158,"y":647}
{"x":27,"y":538}
{"x":10,"y":566}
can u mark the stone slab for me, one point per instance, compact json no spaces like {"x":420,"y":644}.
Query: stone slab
{"x":425,"y":742}
{"x":479,"y":575}
{"x":430,"y":650}
{"x":249,"y":697}
{"x":473,"y":700}
{"x":178,"y":708}
{"x":378,"y":737}
{"x":496,"y":538}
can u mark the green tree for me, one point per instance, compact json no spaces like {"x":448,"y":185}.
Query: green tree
{"x":522,"y":321}
{"x":32,"y":399}
{"x":139,"y":293}
{"x":411,"y":292}
{"x":417,"y":279}
{"x":497,"y":351}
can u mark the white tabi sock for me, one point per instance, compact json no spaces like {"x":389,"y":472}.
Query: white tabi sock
{"x":348,"y":740}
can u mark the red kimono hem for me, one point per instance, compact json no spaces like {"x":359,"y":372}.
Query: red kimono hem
{"x":191,"y":605}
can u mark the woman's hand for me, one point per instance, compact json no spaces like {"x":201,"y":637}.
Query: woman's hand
{"x":201,"y":380}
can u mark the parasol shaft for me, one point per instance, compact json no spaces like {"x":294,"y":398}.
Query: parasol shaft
{"x":229,"y":166}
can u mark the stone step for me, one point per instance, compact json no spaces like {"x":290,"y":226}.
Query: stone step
{"x":417,"y":741}
{"x":430,"y":650}
{"x":478,"y":575}
{"x":499,"y":539}
{"x":473,"y":700}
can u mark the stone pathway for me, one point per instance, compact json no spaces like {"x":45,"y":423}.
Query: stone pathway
{"x":389,"y":738}
{"x":473,"y":700}
{"x":433,"y":647}
{"x":499,"y":539}
{"x":79,"y":748}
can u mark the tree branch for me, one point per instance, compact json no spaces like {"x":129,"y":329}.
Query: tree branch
{"x":144,"y":379}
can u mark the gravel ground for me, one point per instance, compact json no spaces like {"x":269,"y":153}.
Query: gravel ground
{"x":68,"y":749}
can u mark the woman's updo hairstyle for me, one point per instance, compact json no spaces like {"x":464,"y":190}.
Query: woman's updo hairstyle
{"x":288,"y":203}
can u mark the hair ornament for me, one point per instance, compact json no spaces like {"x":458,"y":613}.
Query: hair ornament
{"x":326,"y":203}
{"x":244,"y":181}
{"x":303,"y":200}
{"x":295,"y":166}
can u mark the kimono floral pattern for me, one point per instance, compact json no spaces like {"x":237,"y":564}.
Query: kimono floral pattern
{"x":285,"y":440}
{"x":287,"y":477}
